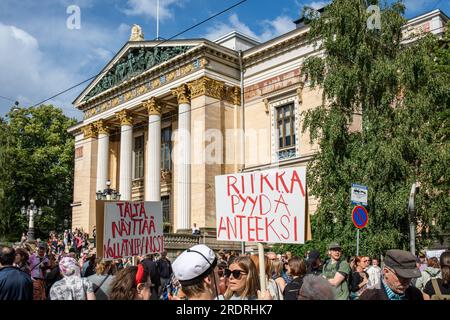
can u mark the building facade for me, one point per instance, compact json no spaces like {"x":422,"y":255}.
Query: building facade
{"x":163,"y":119}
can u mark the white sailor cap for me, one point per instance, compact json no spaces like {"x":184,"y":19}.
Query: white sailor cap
{"x":194,"y":264}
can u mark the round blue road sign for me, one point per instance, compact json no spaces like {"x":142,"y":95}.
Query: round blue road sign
{"x":360,"y":217}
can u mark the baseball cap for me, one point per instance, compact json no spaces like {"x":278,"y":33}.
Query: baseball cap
{"x":313,"y":255}
{"x":194,"y":264}
{"x":403,"y":263}
{"x":334,"y":245}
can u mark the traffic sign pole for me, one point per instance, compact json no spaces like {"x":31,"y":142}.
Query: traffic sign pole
{"x":357,"y":242}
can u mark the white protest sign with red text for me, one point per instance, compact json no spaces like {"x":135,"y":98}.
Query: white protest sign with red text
{"x":132,"y":229}
{"x":262,"y":206}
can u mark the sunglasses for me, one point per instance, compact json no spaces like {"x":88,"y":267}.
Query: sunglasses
{"x":236,"y":273}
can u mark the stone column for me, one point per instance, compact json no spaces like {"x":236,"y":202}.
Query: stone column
{"x":102,"y":155}
{"x":126,"y":154}
{"x":184,"y":158}
{"x":153,"y":159}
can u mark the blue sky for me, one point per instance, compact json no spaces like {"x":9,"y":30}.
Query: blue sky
{"x":40,"y":56}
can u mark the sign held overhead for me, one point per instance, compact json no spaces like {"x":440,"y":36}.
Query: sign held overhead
{"x":262,"y":206}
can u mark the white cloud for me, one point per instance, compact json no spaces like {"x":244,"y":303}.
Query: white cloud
{"x":26,"y":75}
{"x":124,"y":29}
{"x":270,"y":28}
{"x":147,"y":8}
{"x":317,"y":4}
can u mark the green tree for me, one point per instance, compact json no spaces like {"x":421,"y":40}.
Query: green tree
{"x":36,"y":161}
{"x":401,"y":91}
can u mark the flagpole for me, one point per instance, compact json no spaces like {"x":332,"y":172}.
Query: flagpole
{"x":157,"y":20}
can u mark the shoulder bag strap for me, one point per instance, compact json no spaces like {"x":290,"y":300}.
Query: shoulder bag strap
{"x":101,"y":283}
{"x":437,"y":290}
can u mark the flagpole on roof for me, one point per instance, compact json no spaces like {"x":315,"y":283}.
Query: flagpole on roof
{"x":157,"y":20}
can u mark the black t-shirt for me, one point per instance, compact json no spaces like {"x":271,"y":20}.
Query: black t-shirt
{"x":429,"y":290}
{"x":292,"y":289}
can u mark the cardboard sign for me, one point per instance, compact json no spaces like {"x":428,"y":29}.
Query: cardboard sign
{"x":262,"y":206}
{"x":132,"y":229}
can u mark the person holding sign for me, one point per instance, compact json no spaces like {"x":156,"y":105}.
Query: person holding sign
{"x":196,"y":271}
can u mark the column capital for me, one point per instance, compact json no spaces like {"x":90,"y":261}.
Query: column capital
{"x":182,"y":93}
{"x":102,"y":127}
{"x":153,"y":106}
{"x":125,"y":117}
{"x":206,"y":86}
{"x":234,"y":95}
{"x":89,"y":131}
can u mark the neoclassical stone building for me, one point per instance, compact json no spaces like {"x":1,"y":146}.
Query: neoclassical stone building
{"x":192,"y":99}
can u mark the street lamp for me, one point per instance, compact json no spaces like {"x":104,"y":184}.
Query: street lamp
{"x":31,"y":210}
{"x":412,"y":214}
{"x":108,"y":193}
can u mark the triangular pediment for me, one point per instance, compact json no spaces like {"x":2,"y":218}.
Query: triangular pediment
{"x":132,"y":60}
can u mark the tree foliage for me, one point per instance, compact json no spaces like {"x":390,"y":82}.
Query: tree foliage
{"x":36,"y":161}
{"x":397,"y":96}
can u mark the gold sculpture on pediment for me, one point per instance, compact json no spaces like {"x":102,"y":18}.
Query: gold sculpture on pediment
{"x":136,"y":33}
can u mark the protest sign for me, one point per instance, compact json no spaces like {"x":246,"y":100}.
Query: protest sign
{"x":132,"y":229}
{"x":263,"y":206}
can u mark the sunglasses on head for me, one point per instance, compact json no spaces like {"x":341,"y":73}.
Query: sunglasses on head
{"x":236,"y":273}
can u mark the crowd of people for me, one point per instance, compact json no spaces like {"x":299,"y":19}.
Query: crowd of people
{"x":66,"y":268}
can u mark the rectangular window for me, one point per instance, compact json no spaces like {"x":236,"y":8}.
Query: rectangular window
{"x":285,"y":120}
{"x":139,"y":157}
{"x":166,"y":208}
{"x":166,"y":148}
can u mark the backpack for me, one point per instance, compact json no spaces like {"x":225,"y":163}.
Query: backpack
{"x":437,"y":292}
{"x":292,"y":289}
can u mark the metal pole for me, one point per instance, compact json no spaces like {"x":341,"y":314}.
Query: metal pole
{"x":357,"y":242}
{"x":262,"y":267}
{"x":157,"y":20}
{"x":412,"y":215}
{"x":243,"y":247}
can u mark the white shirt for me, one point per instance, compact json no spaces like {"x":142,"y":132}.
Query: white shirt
{"x":374,"y":273}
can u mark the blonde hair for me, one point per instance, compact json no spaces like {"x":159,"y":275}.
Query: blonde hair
{"x":251,"y":282}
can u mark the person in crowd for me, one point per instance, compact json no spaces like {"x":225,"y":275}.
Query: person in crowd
{"x":52,"y":274}
{"x":21,"y":260}
{"x":314,"y":263}
{"x":152,"y":269}
{"x":195,"y":230}
{"x":88,"y":268}
{"x":223,"y":281}
{"x":297,"y":270}
{"x":94,"y":235}
{"x":432,"y":271}
{"x":61,"y":247}
{"x":276,"y":270}
{"x":360,"y":278}
{"x":23,"y":239}
{"x":39,"y":263}
{"x":196,"y":271}
{"x":439,"y":288}
{"x":399,"y":268}
{"x":374,"y":272}
{"x":316,"y":288}
{"x":422,"y":261}
{"x":72,"y":286}
{"x":102,"y":279}
{"x":244,"y":281}
{"x":273,"y":287}
{"x":14,"y":283}
{"x":132,"y":283}
{"x":164,"y":268}
{"x":337,"y":271}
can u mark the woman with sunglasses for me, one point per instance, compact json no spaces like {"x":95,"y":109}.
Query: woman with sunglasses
{"x":243,"y":283}
{"x":131,"y":283}
{"x":360,"y":278}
